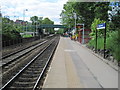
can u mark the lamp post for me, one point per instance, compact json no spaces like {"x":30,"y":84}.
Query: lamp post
{"x":83,"y":41}
{"x":36,"y":28}
{"x":35,"y":33}
{"x":75,"y":20}
{"x":24,"y":17}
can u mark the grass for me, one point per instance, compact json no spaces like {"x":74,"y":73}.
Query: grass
{"x":100,"y":43}
{"x":26,"y":36}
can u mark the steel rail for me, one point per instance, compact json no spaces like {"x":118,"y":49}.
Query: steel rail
{"x":14,"y":77}
{"x":4,"y":64}
{"x":44,"y":69}
{"x":3,"y":57}
{"x":10,"y":54}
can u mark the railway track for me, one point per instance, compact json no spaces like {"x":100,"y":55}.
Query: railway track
{"x":11,"y":57}
{"x":22,"y":47}
{"x":30,"y":75}
{"x":14,"y":56}
{"x":15,"y":64}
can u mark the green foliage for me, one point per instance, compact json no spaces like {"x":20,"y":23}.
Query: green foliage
{"x":60,"y":31}
{"x":25,"y":36}
{"x":116,"y":20}
{"x":47,"y":21}
{"x":101,"y":10}
{"x":94,"y":27}
{"x":68,"y":15}
{"x":9,"y":30}
{"x":86,"y":12}
{"x":100,"y":43}
{"x":113,"y":43}
{"x":34,"y":19}
{"x":39,"y":21}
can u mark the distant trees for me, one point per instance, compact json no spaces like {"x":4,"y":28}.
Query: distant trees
{"x":48,"y":21}
{"x":60,"y":31}
{"x":39,"y":21}
{"x":9,"y":30}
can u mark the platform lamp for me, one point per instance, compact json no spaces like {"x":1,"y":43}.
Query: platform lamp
{"x":75,"y":16}
{"x":24,"y":16}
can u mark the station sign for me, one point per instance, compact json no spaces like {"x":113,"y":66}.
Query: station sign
{"x":101,"y":26}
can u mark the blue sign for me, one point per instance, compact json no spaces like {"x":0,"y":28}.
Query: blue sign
{"x":101,"y":26}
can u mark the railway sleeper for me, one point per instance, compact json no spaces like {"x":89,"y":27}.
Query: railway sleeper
{"x":30,"y":75}
{"x":23,"y":85}
{"x":21,"y":88}
{"x":26,"y":80}
{"x":34,"y":67}
{"x":32,"y":72}
{"x":33,"y":78}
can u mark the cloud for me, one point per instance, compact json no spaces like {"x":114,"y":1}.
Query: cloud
{"x":41,"y":8}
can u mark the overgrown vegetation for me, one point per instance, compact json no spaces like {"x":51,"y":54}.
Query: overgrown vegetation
{"x":92,"y":14}
{"x":9,"y":30}
{"x":112,"y":43}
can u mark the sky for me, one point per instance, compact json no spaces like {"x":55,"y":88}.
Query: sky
{"x":41,"y":8}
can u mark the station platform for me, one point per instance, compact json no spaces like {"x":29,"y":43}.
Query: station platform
{"x":74,"y":66}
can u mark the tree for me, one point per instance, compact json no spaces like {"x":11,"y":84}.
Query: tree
{"x":68,"y":15}
{"x":60,"y":31}
{"x":94,"y":27}
{"x":47,"y":21}
{"x":116,"y":19}
{"x":9,"y":31}
{"x":86,"y":12}
{"x":101,"y":10}
{"x":34,"y":19}
{"x":40,"y":19}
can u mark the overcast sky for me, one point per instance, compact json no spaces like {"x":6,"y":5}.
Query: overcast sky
{"x":40,"y":8}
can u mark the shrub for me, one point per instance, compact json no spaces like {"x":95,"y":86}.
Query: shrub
{"x":113,"y":43}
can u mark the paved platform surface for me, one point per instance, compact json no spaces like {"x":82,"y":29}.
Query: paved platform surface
{"x":74,"y":66}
